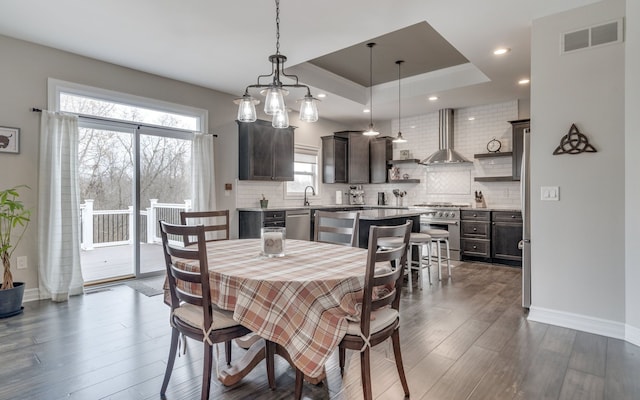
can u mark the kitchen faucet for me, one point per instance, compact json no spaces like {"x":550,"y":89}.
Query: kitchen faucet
{"x":313,"y":192}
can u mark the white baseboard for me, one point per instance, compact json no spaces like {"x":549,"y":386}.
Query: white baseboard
{"x":632,"y":335}
{"x":579,"y":322}
{"x":31,"y":295}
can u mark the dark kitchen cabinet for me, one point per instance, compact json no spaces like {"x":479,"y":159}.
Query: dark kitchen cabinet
{"x":475,"y":234}
{"x":517,"y":132}
{"x":251,"y":222}
{"x":491,"y":236}
{"x":381,"y":151}
{"x":335,"y":166}
{"x":506,"y":233}
{"x":265,"y":153}
{"x":357,"y":157}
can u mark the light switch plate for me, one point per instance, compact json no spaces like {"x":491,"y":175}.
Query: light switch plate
{"x":22,"y":262}
{"x":550,"y":193}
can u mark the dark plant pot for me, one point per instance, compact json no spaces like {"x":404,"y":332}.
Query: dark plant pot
{"x":11,"y":300}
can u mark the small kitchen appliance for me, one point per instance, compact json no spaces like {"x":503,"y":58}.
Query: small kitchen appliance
{"x":356,"y":195}
{"x":382,"y":199}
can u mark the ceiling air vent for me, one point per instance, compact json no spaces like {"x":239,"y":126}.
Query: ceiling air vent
{"x":593,"y":36}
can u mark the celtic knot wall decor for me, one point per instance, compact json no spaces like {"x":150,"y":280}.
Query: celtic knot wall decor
{"x":574,"y":142}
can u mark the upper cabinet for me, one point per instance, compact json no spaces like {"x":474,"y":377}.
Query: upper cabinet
{"x":265,"y":153}
{"x":345,"y":158}
{"x":517,"y":130}
{"x":381,"y":151}
{"x":357,"y":157}
{"x":334,"y":159}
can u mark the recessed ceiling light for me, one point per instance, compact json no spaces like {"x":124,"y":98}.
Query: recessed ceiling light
{"x":502,"y":50}
{"x":366,"y":110}
{"x":433,"y":98}
{"x":524,"y":81}
{"x":321,"y":95}
{"x":472,"y":118}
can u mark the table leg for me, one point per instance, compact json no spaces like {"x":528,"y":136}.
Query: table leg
{"x":232,"y":375}
{"x":254,"y":355}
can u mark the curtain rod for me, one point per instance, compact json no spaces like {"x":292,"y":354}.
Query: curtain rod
{"x":34,"y":109}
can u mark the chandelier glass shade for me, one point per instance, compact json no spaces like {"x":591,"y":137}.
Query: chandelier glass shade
{"x":371,"y":131}
{"x":275,"y":91}
{"x":399,"y":138}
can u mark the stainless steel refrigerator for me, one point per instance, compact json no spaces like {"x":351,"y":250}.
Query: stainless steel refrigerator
{"x":525,"y":195}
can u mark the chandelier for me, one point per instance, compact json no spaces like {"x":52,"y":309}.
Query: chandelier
{"x":371,"y":130}
{"x":275,"y":91}
{"x":399,"y":138}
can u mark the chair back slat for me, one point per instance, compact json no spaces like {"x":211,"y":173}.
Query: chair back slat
{"x":391,"y":281}
{"x":205,"y":218}
{"x":196,"y":277}
{"x":336,"y":227}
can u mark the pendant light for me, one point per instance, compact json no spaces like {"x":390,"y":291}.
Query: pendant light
{"x":399,"y":138}
{"x":275,"y":91}
{"x":371,"y":131}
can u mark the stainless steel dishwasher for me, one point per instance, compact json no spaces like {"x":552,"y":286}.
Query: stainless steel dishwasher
{"x":298,"y":224}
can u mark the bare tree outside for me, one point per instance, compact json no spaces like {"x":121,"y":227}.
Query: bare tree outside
{"x":106,"y":158}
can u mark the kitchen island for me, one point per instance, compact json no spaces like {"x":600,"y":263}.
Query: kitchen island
{"x":385,"y":217}
{"x":252,"y":219}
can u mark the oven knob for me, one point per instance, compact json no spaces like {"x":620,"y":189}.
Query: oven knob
{"x":446,"y":215}
{"x":439,"y":214}
{"x":452,"y":214}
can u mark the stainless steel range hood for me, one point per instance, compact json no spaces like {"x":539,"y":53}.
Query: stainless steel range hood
{"x":446,"y":154}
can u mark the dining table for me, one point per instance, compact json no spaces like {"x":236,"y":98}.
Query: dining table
{"x":301,"y":301}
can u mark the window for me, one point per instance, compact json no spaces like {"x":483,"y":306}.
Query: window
{"x":305,"y":171}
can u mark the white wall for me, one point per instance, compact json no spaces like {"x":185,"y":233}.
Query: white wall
{"x":578,"y":243}
{"x":632,"y":169}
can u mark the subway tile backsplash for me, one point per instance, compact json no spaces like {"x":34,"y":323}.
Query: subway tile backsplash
{"x":453,"y":183}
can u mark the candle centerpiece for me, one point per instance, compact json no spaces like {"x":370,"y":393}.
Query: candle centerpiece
{"x":273,"y":242}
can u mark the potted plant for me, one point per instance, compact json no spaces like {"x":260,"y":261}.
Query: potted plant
{"x":264,"y":203}
{"x":14,"y":219}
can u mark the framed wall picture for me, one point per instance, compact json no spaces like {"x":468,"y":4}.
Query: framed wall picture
{"x":9,"y":140}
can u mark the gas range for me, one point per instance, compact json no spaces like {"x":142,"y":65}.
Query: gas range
{"x":439,"y":211}
{"x":444,"y":216}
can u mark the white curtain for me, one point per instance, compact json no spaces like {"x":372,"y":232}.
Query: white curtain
{"x":60,"y":274}
{"x":203,"y":181}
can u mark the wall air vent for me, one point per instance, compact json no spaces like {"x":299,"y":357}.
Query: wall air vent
{"x":593,"y":36}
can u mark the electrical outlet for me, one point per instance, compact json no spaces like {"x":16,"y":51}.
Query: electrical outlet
{"x":22,"y":262}
{"x":550,"y":193}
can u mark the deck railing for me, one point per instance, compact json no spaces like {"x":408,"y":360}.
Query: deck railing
{"x":102,"y":228}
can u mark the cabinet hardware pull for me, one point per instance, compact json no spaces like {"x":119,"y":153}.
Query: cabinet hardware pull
{"x":475,"y":229}
{"x":475,"y":247}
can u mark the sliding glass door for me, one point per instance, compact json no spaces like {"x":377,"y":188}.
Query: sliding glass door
{"x":134,"y":168}
{"x":164,"y":188}
{"x":107,"y":187}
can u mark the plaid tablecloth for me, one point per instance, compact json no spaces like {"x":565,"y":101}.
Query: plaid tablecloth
{"x":301,"y":301}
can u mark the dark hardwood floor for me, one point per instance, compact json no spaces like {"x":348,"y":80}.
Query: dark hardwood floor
{"x":462,"y":339}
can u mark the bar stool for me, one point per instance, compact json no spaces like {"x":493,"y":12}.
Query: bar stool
{"x":418,"y":239}
{"x":439,"y":237}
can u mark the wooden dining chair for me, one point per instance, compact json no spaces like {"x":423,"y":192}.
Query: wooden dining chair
{"x":336,"y":227}
{"x":380,"y":316}
{"x":193,"y":315}
{"x":211,"y":222}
